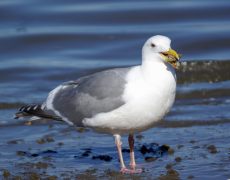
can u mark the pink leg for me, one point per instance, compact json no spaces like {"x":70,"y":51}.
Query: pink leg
{"x":118,"y":144}
{"x":122,"y":164}
{"x":131,"y":147}
{"x":132,"y":156}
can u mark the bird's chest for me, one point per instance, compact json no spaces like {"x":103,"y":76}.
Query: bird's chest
{"x":147,"y":89}
{"x":150,"y":95}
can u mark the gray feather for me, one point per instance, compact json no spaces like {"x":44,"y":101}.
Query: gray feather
{"x":90,"y":95}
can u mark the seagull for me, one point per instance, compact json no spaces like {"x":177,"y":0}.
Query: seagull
{"x":117,"y":101}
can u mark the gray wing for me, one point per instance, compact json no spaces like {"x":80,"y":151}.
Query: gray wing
{"x":90,"y":95}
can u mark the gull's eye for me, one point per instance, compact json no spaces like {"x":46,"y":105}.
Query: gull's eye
{"x":153,"y":45}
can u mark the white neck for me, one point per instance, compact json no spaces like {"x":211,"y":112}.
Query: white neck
{"x":152,"y":63}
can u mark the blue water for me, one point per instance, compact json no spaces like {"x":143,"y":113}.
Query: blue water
{"x":44,"y":43}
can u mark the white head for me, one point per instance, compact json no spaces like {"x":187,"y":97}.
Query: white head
{"x":158,"y":48}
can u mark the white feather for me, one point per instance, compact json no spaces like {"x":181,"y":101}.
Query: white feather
{"x":49,"y":104}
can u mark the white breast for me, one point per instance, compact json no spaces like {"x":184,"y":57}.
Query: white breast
{"x":149,"y":94}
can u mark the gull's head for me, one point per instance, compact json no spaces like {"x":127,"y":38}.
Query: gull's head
{"x":160,"y":46}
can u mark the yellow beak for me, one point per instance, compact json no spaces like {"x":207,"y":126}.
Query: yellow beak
{"x":172,"y":57}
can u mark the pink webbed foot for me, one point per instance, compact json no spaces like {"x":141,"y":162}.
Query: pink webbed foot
{"x":130,"y":171}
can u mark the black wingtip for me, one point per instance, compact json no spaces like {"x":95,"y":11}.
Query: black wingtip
{"x":28,"y":110}
{"x":35,"y":110}
{"x":16,"y":117}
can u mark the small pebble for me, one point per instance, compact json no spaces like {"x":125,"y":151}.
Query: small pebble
{"x":172,"y":172}
{"x":212,"y":149}
{"x":178,"y":159}
{"x":41,"y":165}
{"x":5,"y":173}
{"x":34,"y":176}
{"x":86,"y":153}
{"x":16,"y":141}
{"x":34,"y":155}
{"x":170,"y":151}
{"x":49,"y":151}
{"x":179,"y":146}
{"x":190,"y":177}
{"x":150,"y":159}
{"x":103,"y":157}
{"x":51,"y":178}
{"x":170,"y":175}
{"x":164,"y":148}
{"x":21,"y":153}
{"x":60,"y":144}
{"x":49,"y":139}
{"x":144,"y":149}
{"x":41,"y":141}
{"x":169,"y":166}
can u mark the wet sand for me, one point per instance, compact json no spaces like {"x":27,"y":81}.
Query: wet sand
{"x":195,"y":152}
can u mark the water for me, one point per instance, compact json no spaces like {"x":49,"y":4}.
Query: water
{"x":44,"y":43}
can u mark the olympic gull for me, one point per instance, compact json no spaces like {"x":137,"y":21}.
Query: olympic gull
{"x":117,"y":101}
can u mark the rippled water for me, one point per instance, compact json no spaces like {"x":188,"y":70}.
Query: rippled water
{"x":44,"y":43}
